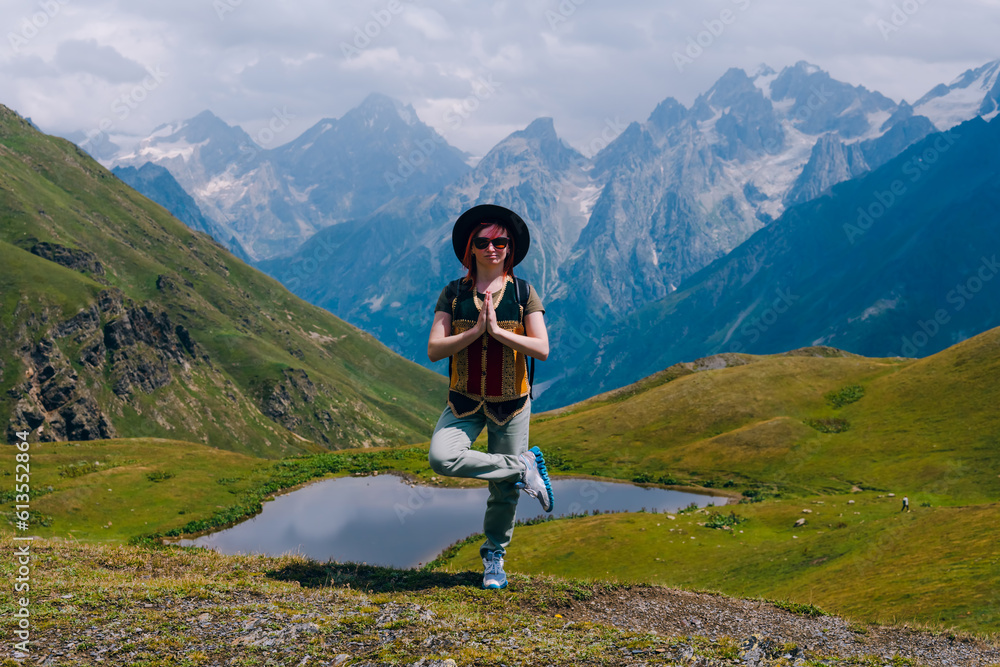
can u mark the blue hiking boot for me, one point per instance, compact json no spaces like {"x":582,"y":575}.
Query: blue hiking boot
{"x":493,"y":574}
{"x":536,"y":478}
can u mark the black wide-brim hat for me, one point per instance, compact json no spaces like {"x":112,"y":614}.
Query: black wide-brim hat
{"x":469,"y":221}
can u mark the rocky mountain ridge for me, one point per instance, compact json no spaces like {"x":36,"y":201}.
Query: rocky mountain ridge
{"x":119,"y":320}
{"x":895,"y":263}
{"x":614,"y":232}
{"x":272,"y":199}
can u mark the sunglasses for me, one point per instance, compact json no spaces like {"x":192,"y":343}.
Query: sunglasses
{"x":483,"y":243}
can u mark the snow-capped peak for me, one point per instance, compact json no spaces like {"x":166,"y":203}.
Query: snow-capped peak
{"x":975,"y":93}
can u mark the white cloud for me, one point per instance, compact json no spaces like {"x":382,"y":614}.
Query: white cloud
{"x":89,"y":57}
{"x":582,"y":62}
{"x":428,"y":23}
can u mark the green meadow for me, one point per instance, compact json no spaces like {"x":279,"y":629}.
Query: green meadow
{"x":809,"y":430}
{"x":811,"y":435}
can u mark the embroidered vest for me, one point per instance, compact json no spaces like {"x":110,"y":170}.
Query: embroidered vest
{"x":487,"y":372}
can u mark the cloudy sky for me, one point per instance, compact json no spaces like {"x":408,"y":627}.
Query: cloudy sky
{"x":475,"y":71}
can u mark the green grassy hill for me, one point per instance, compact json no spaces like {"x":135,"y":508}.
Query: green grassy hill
{"x":119,"y":321}
{"x":916,"y":427}
{"x":814,"y":430}
{"x":128,"y":489}
{"x":927,"y":427}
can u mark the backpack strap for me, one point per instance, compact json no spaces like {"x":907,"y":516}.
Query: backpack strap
{"x":452,"y":291}
{"x":522,"y":290}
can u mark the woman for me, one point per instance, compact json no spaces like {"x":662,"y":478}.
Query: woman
{"x":488,"y":323}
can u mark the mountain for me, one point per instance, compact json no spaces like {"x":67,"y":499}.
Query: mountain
{"x":613,"y":233}
{"x":347,"y":168}
{"x":271,"y":200}
{"x":120,"y":321}
{"x":629,"y":226}
{"x":384,"y":272}
{"x":896,"y":263}
{"x":690,"y":184}
{"x":158,"y":184}
{"x":974,"y":93}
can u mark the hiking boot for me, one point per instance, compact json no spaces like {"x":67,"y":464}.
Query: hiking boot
{"x":535,"y":481}
{"x":493,"y":574}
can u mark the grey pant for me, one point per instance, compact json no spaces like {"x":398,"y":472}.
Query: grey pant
{"x":451,"y":454}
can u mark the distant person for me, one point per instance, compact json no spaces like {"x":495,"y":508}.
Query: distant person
{"x":489,"y":323}
{"x":906,"y":504}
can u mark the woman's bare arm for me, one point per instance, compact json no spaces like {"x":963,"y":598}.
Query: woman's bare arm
{"x":442,"y":344}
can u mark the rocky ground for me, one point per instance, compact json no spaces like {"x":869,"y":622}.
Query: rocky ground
{"x":99,"y":605}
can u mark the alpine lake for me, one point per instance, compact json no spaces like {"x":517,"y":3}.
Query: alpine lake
{"x":386,"y":520}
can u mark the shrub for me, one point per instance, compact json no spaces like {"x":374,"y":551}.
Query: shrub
{"x":799,"y":608}
{"x":829,"y":425}
{"x":718,"y":520}
{"x":80,"y":469}
{"x":690,"y":508}
{"x":157,"y":476}
{"x":839,"y":399}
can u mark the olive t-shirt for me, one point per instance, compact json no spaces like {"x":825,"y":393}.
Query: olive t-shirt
{"x":534,"y":304}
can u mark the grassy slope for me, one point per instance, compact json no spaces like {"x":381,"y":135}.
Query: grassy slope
{"x":117,"y":490}
{"x":924,"y":428}
{"x":938,"y":566}
{"x":927,"y":427}
{"x":249,"y":325}
{"x":863,"y":559}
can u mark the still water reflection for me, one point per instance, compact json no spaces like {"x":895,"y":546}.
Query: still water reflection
{"x":383,"y":520}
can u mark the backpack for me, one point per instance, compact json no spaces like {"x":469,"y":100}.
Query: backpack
{"x":521,"y":291}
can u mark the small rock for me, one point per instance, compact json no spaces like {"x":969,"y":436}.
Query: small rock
{"x":800,"y":522}
{"x":807,"y":511}
{"x":850,"y":502}
{"x":892,"y":495}
{"x":339,"y":660}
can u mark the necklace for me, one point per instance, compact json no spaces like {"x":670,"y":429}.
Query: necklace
{"x":497,"y":298}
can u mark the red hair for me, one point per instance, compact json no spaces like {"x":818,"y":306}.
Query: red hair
{"x":490,"y":230}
